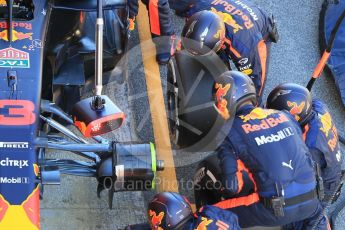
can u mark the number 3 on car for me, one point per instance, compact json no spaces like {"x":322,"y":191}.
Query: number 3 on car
{"x":17,"y":112}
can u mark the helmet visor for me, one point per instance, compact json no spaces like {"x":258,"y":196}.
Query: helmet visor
{"x":199,"y":48}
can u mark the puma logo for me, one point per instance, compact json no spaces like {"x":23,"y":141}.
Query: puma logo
{"x":288,"y":165}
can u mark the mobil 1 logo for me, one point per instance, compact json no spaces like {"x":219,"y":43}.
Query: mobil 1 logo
{"x":14,"y":180}
{"x":275,"y":137}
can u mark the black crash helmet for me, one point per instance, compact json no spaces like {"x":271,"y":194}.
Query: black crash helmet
{"x":291,"y":97}
{"x":203,"y":33}
{"x":169,"y":211}
{"x":243,"y":90}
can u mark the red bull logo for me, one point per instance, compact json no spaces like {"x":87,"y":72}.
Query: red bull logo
{"x":257,"y":114}
{"x":221,"y":102}
{"x":24,"y":216}
{"x":238,"y":11}
{"x":15,"y":35}
{"x":326,"y":121}
{"x":3,"y":207}
{"x":228,"y":19}
{"x":265,"y":124}
{"x":296,"y":109}
{"x":329,"y":128}
{"x":32,"y":206}
{"x":25,"y":25}
{"x":333,"y":143}
{"x":156,"y":220}
{"x":204,"y":223}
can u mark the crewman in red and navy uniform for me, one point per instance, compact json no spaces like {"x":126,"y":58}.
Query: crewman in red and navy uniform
{"x":320,"y":132}
{"x":239,"y":31}
{"x":160,"y":25}
{"x":268,"y":145}
{"x":171,"y":211}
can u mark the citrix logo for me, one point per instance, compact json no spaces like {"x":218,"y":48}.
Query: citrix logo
{"x":280,"y":135}
{"x":14,"y":163}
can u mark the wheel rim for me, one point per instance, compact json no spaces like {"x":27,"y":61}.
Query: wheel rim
{"x":173,"y":115}
{"x":172,"y":100}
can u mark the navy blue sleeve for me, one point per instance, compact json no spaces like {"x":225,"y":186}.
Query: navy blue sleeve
{"x":318,"y":157}
{"x":228,"y":164}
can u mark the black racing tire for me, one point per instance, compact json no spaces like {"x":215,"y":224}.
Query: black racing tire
{"x":180,"y":136}
{"x":193,"y":119}
{"x":208,"y":187}
{"x":207,"y":182}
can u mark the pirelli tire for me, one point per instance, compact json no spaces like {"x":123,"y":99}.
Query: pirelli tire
{"x":207,"y":182}
{"x":193,"y":120}
{"x":208,"y":187}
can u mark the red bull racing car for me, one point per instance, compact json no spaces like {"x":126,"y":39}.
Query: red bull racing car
{"x":49,"y":51}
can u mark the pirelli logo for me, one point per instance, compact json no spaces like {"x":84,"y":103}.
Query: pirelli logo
{"x":265,"y":124}
{"x":14,"y":145}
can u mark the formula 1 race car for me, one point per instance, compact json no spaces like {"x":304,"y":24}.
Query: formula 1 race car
{"x":46,"y":50}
